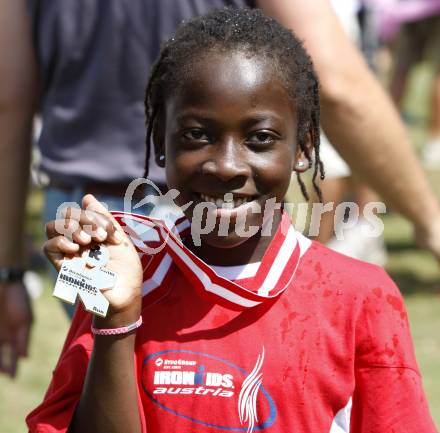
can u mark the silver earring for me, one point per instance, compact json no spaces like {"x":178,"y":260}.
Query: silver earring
{"x":161,"y":158}
{"x":300,"y":164}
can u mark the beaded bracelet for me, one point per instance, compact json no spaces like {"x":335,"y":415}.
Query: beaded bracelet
{"x":117,"y":331}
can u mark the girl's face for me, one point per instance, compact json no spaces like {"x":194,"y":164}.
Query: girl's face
{"x":230,"y":127}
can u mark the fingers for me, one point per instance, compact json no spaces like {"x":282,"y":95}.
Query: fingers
{"x":3,"y":363}
{"x":8,"y":359}
{"x":91,"y":225}
{"x":85,"y":226}
{"x":15,"y":323}
{"x":57,"y":248}
{"x":78,"y":228}
{"x":21,"y":339}
{"x":90,"y":203}
{"x":13,"y":362}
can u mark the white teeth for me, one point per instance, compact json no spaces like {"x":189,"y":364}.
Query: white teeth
{"x":221,"y":203}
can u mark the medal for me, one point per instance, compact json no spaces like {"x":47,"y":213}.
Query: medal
{"x":85,"y":277}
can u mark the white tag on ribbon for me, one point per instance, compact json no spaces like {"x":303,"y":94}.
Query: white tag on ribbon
{"x":85,"y":277}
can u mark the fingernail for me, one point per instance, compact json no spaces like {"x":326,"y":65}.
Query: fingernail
{"x":101,"y":233}
{"x":118,"y":236}
{"x":71,"y":244}
{"x":84,"y":236}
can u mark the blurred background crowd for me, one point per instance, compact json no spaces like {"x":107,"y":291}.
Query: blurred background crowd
{"x":72,"y":83}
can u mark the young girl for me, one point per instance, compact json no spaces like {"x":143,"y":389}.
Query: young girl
{"x":250,"y":330}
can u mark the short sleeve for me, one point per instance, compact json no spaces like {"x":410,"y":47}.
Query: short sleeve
{"x":54,"y":414}
{"x":388,"y":395}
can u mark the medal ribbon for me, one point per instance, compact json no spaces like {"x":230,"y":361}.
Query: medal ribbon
{"x":274,"y":274}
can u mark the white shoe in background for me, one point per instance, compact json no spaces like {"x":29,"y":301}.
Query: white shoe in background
{"x":33,"y":283}
{"x":431,"y":154}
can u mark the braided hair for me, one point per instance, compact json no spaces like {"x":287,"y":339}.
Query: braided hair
{"x":249,"y":31}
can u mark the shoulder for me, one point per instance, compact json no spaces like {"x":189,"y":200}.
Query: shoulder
{"x":372,"y":304}
{"x":350,"y":276}
{"x":337,"y":281}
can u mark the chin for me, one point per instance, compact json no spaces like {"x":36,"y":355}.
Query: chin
{"x":224,"y":242}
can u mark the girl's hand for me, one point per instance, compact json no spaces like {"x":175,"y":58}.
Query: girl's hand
{"x":91,"y":224}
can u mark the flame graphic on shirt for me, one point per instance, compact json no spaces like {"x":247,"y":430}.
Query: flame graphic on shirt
{"x":247,"y":400}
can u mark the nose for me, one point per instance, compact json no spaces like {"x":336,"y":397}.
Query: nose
{"x":227,"y":161}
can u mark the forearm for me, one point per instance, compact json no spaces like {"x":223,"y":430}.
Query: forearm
{"x":109,"y":402}
{"x":18,"y":78}
{"x":14,"y":175}
{"x":368,"y":133}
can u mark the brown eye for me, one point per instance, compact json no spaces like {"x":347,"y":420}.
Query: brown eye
{"x":195,"y":134}
{"x":261,"y":138}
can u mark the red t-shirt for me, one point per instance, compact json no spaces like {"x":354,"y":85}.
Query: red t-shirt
{"x":332,"y":354}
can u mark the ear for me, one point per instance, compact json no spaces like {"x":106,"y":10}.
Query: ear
{"x":159,"y":142}
{"x":301,"y":163}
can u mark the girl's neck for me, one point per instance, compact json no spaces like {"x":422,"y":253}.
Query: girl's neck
{"x":250,"y":251}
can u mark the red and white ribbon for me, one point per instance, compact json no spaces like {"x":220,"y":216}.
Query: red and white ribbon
{"x":274,"y":275}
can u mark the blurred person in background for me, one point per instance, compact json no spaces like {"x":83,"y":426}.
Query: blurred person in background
{"x":85,"y":63}
{"x":413,"y":29}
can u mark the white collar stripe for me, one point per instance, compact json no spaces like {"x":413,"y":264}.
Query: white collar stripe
{"x":273,"y":276}
{"x":159,"y":275}
{"x":280,"y":262}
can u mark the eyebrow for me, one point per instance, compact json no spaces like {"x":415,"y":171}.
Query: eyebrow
{"x":262,"y":117}
{"x":193,"y":115}
{"x":249,"y":121}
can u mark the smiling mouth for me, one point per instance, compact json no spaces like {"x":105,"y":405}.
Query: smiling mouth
{"x":228,"y":201}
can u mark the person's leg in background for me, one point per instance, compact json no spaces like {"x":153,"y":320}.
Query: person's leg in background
{"x":333,"y":191}
{"x":336,"y":187}
{"x":431,"y":150}
{"x":434,"y":123}
{"x":407,"y":52}
{"x":333,"y":187}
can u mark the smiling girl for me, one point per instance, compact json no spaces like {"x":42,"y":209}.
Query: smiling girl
{"x":260,"y":332}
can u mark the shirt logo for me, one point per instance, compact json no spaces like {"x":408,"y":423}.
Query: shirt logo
{"x":247,"y":400}
{"x":209,"y":390}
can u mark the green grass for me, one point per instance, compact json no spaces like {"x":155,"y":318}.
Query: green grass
{"x":23,"y":394}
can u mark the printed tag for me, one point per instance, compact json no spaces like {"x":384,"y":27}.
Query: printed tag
{"x":98,"y":255}
{"x":85,"y":277}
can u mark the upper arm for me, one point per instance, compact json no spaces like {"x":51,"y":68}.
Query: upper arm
{"x":18,"y":71}
{"x":390,"y":399}
{"x":388,"y":392}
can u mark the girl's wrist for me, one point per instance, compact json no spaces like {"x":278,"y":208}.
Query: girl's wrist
{"x":118,"y":331}
{"x":118,"y":319}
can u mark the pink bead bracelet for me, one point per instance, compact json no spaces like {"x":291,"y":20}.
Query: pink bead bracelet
{"x":117,"y":331}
